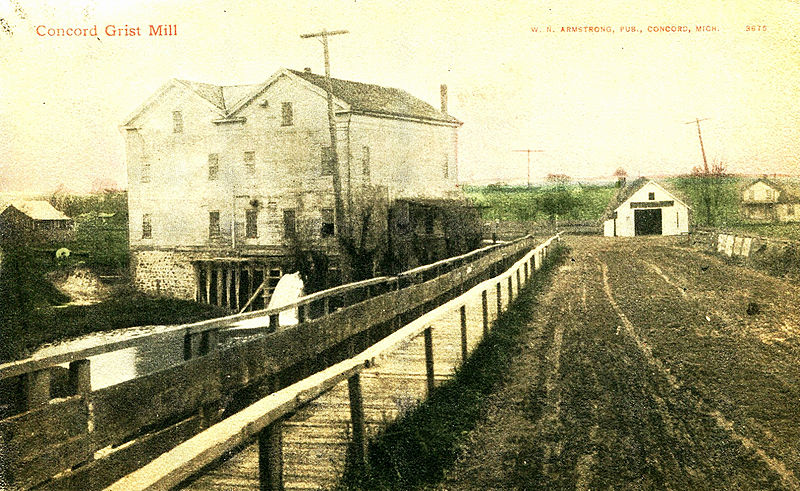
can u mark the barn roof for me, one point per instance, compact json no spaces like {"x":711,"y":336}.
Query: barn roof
{"x":372,"y":98}
{"x":630,"y":188}
{"x":38,"y":210}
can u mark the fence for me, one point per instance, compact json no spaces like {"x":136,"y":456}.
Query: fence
{"x":62,"y":434}
{"x":263,"y":419}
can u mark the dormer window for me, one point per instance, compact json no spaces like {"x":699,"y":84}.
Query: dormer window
{"x":177,"y":122}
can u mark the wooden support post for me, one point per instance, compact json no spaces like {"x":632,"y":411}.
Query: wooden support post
{"x":208,"y":283}
{"x":238,"y":286}
{"x":519,"y":283}
{"x":327,"y":303}
{"x":197,"y":287}
{"x":191,"y":345}
{"x":464,"y":350}
{"x":357,"y":419}
{"x":499,"y":297}
{"x":302,"y":312}
{"x":429,"y":358}
{"x":527,"y":275}
{"x":208,"y":341}
{"x":274,"y":321}
{"x":270,"y":457}
{"x":80,"y":377}
{"x":228,"y":275}
{"x":510,"y":290}
{"x":485,"y":308}
{"x":37,"y":388}
{"x":250,"y":272}
{"x":219,"y":286}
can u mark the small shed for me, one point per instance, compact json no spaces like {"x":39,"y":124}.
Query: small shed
{"x":645,"y":207}
{"x":35,"y":219}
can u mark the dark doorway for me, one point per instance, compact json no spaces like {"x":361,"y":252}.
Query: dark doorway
{"x":647,"y":222}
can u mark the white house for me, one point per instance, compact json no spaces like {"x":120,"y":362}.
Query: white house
{"x":768,"y":200}
{"x":221,"y":177}
{"x":644,"y":207}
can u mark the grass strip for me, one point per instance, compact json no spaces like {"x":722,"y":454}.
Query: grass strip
{"x":417,"y":450}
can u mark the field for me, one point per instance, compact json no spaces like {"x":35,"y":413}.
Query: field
{"x":643,"y":366}
{"x":581,"y":203}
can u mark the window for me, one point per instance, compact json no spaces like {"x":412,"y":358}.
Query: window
{"x":327,"y":161}
{"x":790,"y":209}
{"x":286,"y":114}
{"x":145,"y":172}
{"x":213,"y":224}
{"x":289,"y":226}
{"x":752,"y":195}
{"x":251,"y":224}
{"x":769,"y":194}
{"x":177,"y":122}
{"x":327,"y":222}
{"x":213,"y":166}
{"x":651,"y":196}
{"x":250,"y":161}
{"x":365,"y":161}
{"x":446,"y":167}
{"x":147,"y":227}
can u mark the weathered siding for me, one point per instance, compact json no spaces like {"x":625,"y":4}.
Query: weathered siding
{"x":164,"y":272}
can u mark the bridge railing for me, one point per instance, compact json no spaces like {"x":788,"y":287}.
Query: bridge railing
{"x":263,"y":419}
{"x":62,"y":426}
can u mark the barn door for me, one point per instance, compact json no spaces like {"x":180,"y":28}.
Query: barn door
{"x":647,"y":222}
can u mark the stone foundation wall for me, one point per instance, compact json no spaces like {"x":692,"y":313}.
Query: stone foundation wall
{"x":163,"y":273}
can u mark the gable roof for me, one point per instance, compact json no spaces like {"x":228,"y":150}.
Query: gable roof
{"x":38,"y":210}
{"x":357,"y":97}
{"x":630,"y":188}
{"x":370,"y":98}
{"x":789,"y":191}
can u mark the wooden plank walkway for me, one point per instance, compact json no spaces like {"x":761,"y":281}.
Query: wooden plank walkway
{"x":315,"y":439}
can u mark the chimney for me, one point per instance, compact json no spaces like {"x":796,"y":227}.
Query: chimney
{"x":307,"y":69}
{"x":443,"y":90}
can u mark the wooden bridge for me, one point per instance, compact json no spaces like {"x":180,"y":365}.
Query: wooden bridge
{"x":360,"y":355}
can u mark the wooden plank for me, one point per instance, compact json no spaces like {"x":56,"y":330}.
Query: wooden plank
{"x":104,"y":471}
{"x":123,"y":409}
{"x":34,"y":432}
{"x":56,"y":459}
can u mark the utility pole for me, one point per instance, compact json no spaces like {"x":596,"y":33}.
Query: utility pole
{"x":528,"y":151}
{"x":700,"y":136}
{"x":337,"y":180}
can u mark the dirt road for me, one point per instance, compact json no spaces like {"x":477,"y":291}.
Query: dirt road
{"x":648,"y":366}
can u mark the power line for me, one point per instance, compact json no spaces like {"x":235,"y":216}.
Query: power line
{"x":528,"y":151}
{"x":700,"y":136}
{"x":337,"y":180}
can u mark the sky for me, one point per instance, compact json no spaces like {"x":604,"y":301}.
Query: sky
{"x":592,"y":101}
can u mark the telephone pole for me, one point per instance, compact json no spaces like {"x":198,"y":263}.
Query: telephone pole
{"x":700,"y":136}
{"x":528,"y":151}
{"x":337,"y":180}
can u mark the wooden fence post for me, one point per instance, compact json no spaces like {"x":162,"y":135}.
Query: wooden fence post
{"x":270,"y":457}
{"x":357,"y":419}
{"x":464,"y":350}
{"x":519,"y":284}
{"x":37,"y":388}
{"x":510,"y":290}
{"x":274,"y":321}
{"x":499,"y":297}
{"x":191,"y":345}
{"x":485,"y":308}
{"x":80,"y":377}
{"x":429,"y":358}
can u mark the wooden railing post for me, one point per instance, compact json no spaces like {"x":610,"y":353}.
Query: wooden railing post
{"x":510,"y":289}
{"x":80,"y":377}
{"x":301,"y":313}
{"x":37,"y":388}
{"x":191,"y":345}
{"x":270,"y":457}
{"x":519,"y":284}
{"x":429,"y":358}
{"x":485,"y":308}
{"x":464,"y":353}
{"x":357,"y":419}
{"x":274,"y":321}
{"x":499,"y":297}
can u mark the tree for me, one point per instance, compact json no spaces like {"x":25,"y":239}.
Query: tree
{"x":556,"y":202}
{"x":621,"y":175}
{"x":711,"y":190}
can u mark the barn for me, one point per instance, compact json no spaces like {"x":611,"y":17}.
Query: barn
{"x":645,"y":207}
